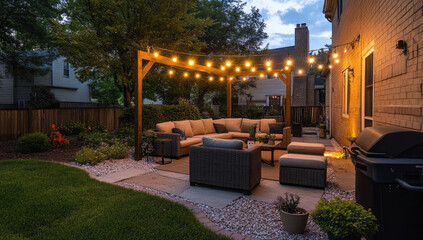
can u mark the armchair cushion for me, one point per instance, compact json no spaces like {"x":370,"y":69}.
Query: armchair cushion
{"x":197,"y":127}
{"x":165,"y":127}
{"x":186,"y":126}
{"x":219,"y":143}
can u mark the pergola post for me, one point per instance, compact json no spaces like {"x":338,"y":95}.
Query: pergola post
{"x":287,"y":80}
{"x":228,"y":97}
{"x":138,"y":74}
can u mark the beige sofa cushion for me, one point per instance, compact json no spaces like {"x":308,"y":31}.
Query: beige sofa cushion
{"x":197,"y":127}
{"x":264,"y":125}
{"x":215,"y":135}
{"x":303,"y":161}
{"x":185,"y":126}
{"x":165,"y":127}
{"x":190,"y":141}
{"x":220,"y":121}
{"x":233,"y":124}
{"x":258,"y":121}
{"x":208,"y":126}
{"x":306,"y":148}
{"x":245,"y":135}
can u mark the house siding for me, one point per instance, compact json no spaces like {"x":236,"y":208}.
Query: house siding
{"x":398,"y":78}
{"x":6,"y":86}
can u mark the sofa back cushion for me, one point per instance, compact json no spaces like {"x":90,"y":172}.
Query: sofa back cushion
{"x":165,"y":127}
{"x":197,"y":127}
{"x":208,"y":126}
{"x":221,"y":143}
{"x":220,"y":128}
{"x":233,"y":124}
{"x":264,"y":125}
{"x":258,"y":121}
{"x":185,"y":126}
{"x":220,"y":121}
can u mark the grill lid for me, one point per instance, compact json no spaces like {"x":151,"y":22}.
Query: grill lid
{"x":389,"y":141}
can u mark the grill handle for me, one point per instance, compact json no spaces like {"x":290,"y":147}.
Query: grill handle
{"x":407,"y":186}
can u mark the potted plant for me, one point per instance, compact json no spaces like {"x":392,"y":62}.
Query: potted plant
{"x":322,"y":130}
{"x":252,"y":136}
{"x":259,"y":139}
{"x":271,"y":138}
{"x":294,"y":219}
{"x":344,"y":219}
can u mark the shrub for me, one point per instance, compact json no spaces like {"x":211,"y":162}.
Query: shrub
{"x":288,"y":204}
{"x":153,"y":114}
{"x":94,"y":139}
{"x":34,"y":142}
{"x":116,"y":151}
{"x":344,"y":218}
{"x":89,"y":156}
{"x":125,"y":135}
{"x":273,"y":112}
{"x":56,"y":138}
{"x":71,"y":128}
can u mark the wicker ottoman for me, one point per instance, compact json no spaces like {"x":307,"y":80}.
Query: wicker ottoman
{"x":306,"y":148}
{"x":303,"y":169}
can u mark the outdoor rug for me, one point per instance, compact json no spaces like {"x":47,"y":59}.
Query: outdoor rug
{"x":267,"y":172}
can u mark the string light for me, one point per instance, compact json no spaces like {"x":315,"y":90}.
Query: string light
{"x":209,"y":64}
{"x":286,"y":68}
{"x":311,"y":60}
{"x":337,"y":60}
{"x":222,"y":68}
{"x":275,"y":74}
{"x":228,"y":63}
{"x":231,"y":78}
{"x":330,"y":66}
{"x":269,"y":69}
{"x":244,"y":79}
{"x":191,"y":62}
{"x":300,"y":71}
{"x":247,"y":64}
{"x":211,"y":79}
{"x":268,"y":63}
{"x":335,"y":55}
{"x":197,"y":75}
{"x":238,"y":69}
{"x":156,"y":54}
{"x":174,"y":59}
{"x":186,"y":74}
{"x":345,"y":50}
{"x":170,"y":72}
{"x":289,"y":62}
{"x":320,"y":66}
{"x":253,"y":69}
{"x":221,"y":78}
{"x":262,"y":75}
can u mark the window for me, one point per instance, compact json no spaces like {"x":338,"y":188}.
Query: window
{"x":66,"y":69}
{"x":274,"y":100}
{"x":368,"y":91}
{"x":340,"y":6}
{"x":345,"y":93}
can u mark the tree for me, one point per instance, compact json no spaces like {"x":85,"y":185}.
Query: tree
{"x":104,"y":89}
{"x":25,"y":27}
{"x":41,"y":97}
{"x":103,"y":35}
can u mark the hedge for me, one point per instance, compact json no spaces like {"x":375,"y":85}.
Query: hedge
{"x":153,"y":114}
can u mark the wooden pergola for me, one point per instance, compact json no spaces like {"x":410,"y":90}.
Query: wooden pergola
{"x":141,"y":72}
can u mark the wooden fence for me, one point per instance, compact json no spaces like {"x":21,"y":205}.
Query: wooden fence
{"x":306,"y":115}
{"x":15,"y":123}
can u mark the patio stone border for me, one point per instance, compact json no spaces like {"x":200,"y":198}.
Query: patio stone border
{"x":198,"y":213}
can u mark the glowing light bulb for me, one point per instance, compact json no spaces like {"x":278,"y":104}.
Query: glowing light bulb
{"x":335,"y":55}
{"x":244,"y":79}
{"x":222,"y":68}
{"x":311,"y":60}
{"x":247,"y":64}
{"x":330,"y":66}
{"x":197,"y":75}
{"x":156,"y":54}
{"x":253,"y":69}
{"x":185,"y":74}
{"x":231,"y":78}
{"x":268,"y":63}
{"x":211,"y":78}
{"x":191,"y":62}
{"x":209,"y":64}
{"x":170,"y":72}
{"x":289,"y":62}
{"x":336,"y":60}
{"x":174,"y":59}
{"x":275,"y":74}
{"x":221,"y":79}
{"x":300,"y":71}
{"x":269,"y":69}
{"x":237,"y":69}
{"x":320,"y":66}
{"x":228,"y":63}
{"x":286,"y":68}
{"x":345,"y":50}
{"x":262,"y":75}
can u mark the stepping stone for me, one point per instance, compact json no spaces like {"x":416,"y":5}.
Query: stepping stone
{"x":122,"y":175}
{"x":210,"y":196}
{"x":162,"y":183}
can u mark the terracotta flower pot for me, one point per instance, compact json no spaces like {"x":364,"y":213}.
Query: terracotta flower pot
{"x":294,"y":223}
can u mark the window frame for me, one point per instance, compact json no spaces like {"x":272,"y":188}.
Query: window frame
{"x":346,"y":96}
{"x":66,"y":69}
{"x":366,"y":53}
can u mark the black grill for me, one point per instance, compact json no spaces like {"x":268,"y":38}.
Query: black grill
{"x":389,"y":179}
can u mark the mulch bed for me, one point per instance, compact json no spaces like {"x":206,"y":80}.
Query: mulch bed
{"x":65,"y":154}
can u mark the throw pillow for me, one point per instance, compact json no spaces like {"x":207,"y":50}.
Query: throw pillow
{"x":180,"y":132}
{"x":219,"y":143}
{"x":220,"y":128}
{"x":246,"y":127}
{"x":276,"y":128}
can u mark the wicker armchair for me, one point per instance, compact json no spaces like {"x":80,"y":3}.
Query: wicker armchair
{"x":228,"y":168}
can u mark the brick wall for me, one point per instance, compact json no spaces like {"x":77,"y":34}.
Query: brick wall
{"x":398,"y":78}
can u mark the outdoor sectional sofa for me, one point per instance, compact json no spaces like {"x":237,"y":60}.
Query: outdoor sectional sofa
{"x":195,"y":130}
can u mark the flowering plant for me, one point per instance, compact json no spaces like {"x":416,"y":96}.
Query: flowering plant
{"x":56,"y":138}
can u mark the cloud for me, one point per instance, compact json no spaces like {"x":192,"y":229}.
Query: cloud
{"x":325,"y":34}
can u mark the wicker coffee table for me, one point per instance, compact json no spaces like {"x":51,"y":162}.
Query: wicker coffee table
{"x":270,"y":148}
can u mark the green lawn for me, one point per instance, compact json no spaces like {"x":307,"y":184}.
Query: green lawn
{"x":42,"y":200}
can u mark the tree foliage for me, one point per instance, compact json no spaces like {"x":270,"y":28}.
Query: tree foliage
{"x":104,"y":89}
{"x":103,"y":35}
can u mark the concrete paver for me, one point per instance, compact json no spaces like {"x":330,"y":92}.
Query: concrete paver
{"x":122,"y":175}
{"x":217,"y":198}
